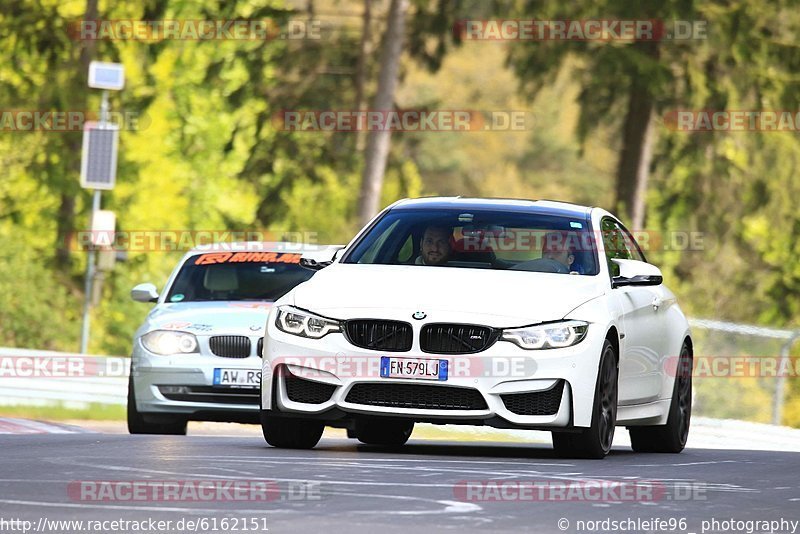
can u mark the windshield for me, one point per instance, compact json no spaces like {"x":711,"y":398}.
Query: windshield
{"x":482,"y":239}
{"x":237,"y":276}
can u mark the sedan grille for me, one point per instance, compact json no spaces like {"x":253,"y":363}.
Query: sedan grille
{"x":535,"y":403}
{"x":260,"y":347}
{"x":230,"y":346}
{"x":390,"y":336}
{"x":443,"y":338}
{"x":416,"y":396}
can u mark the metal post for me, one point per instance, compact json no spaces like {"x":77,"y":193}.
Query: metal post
{"x":87,"y":289}
{"x":90,"y":260}
{"x":104,"y":108}
{"x":780,"y":384}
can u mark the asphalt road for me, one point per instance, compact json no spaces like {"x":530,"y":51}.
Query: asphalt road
{"x":344,"y":487}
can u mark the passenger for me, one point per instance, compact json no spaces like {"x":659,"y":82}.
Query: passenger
{"x":558,"y":247}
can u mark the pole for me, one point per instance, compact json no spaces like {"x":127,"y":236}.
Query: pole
{"x":87,"y":289}
{"x":90,"y":260}
{"x":780,"y":384}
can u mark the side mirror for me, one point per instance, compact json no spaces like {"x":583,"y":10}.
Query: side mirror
{"x":321,"y":258}
{"x":636,"y":273}
{"x":145,"y":293}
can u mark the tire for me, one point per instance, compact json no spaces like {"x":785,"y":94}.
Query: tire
{"x":670,"y":438}
{"x":289,"y":433}
{"x":595,"y":442}
{"x":387,"y":432}
{"x":138,"y":425}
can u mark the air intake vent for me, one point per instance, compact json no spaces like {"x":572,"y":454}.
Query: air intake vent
{"x":307,"y":391}
{"x":416,"y":396}
{"x":536,"y":403}
{"x":217,"y":395}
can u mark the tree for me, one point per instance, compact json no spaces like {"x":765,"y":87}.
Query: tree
{"x":626,"y":79}
{"x":361,"y":66}
{"x":378,"y":141}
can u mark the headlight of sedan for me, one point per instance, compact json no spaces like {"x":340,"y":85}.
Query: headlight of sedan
{"x":547,"y":336}
{"x":167,"y":342}
{"x":305,"y":324}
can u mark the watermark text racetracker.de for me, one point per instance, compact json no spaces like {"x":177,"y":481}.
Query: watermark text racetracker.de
{"x":147,"y":525}
{"x":62,"y":366}
{"x":359,"y":366}
{"x":193,"y":490}
{"x":588,"y":490}
{"x":728,"y":120}
{"x":170,"y":240}
{"x":580,"y":30}
{"x":194,"y":30}
{"x":403,"y":120}
{"x":75,"y":120}
{"x":734,"y":366}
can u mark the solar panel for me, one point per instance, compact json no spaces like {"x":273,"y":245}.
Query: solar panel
{"x":99,"y":160}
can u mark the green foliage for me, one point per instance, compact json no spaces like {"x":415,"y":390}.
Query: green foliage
{"x":36,"y":311}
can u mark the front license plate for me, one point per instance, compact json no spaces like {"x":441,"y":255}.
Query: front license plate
{"x":239,"y":378}
{"x":413,"y":368}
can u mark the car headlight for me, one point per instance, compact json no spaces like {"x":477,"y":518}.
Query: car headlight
{"x":305,"y":324}
{"x":547,"y":336}
{"x":167,"y":342}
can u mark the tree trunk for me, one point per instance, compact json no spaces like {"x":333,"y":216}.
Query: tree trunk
{"x":66,"y":208}
{"x":378,"y":141}
{"x":633,"y":170}
{"x":634,"y":161}
{"x":361,"y":67}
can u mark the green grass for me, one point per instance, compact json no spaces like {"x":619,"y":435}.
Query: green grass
{"x":94,"y":412}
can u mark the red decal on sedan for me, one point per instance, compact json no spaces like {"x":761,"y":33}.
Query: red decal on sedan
{"x":246,"y":257}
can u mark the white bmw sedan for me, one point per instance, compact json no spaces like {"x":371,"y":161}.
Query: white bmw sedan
{"x":509,"y":313}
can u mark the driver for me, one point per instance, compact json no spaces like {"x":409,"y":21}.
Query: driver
{"x":435,"y":248}
{"x":558,"y":247}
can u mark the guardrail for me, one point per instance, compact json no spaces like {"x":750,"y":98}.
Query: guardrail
{"x":24,"y":378}
{"x":104,"y":379}
{"x":789,"y":337}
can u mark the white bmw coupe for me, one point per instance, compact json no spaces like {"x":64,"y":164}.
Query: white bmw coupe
{"x":508,"y":313}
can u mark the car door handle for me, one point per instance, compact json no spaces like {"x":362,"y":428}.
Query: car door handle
{"x":657,"y":301}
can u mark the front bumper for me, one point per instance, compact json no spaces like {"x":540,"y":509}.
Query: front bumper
{"x":501,"y":376}
{"x":184,"y":385}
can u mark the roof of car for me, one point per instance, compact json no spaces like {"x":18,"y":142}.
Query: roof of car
{"x":255,"y":246}
{"x":509,"y":204}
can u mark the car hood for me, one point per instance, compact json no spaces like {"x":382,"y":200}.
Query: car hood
{"x":208,"y":318}
{"x":496,"y":298}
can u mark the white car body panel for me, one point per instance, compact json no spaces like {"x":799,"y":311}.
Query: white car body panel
{"x":647,"y":336}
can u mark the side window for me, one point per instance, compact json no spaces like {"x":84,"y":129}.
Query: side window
{"x":371,"y":253}
{"x":406,"y":251}
{"x":612,"y":244}
{"x":634,"y":252}
{"x":619,"y":244}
